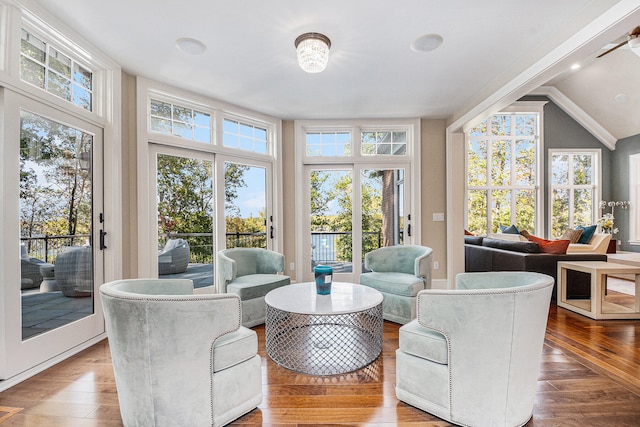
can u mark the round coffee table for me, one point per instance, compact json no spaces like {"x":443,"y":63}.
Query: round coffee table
{"x":324,"y":334}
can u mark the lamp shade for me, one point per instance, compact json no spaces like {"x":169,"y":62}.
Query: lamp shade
{"x":313,"y":51}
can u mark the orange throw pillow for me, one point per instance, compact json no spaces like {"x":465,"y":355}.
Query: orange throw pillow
{"x":468,"y":233}
{"x":550,"y":246}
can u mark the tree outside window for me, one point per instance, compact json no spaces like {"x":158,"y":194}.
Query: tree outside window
{"x":502,"y":178}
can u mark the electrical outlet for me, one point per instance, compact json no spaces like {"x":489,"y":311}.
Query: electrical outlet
{"x":436,"y":265}
{"x":438,"y":216}
{"x":292,"y":266}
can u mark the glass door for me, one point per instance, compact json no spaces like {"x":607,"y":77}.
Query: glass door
{"x":245,"y":206}
{"x":341,"y":231}
{"x":51,"y":299}
{"x":185,"y":216}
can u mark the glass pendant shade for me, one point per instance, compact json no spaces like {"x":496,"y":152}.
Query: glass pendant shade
{"x":313,"y":52}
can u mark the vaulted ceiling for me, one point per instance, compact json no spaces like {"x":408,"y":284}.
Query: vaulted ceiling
{"x":250,"y":57}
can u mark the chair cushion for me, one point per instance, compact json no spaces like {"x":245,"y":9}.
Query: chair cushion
{"x":234,"y":348}
{"x":425,"y":343}
{"x":393,"y":283}
{"x":256,"y":285}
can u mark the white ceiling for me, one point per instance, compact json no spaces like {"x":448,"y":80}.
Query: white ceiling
{"x":372,"y":73}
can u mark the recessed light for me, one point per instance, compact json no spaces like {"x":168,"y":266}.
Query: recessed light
{"x":575,"y":66}
{"x":191,"y":46}
{"x":426,"y":43}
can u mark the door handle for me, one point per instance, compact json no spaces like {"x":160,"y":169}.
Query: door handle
{"x":102,"y":245}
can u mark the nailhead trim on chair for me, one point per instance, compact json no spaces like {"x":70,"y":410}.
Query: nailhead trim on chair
{"x":218,"y":296}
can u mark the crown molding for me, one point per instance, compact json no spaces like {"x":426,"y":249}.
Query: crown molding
{"x":578,"y":114}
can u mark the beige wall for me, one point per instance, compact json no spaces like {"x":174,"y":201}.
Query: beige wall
{"x":129,"y":179}
{"x":433,"y":186}
{"x":288,"y":191}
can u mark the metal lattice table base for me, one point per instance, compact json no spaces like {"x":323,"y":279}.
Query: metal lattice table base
{"x":324,"y":344}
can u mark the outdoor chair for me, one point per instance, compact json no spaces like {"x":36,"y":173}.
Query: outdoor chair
{"x":251,"y":273}
{"x":174,"y":257}
{"x":399,"y":273}
{"x":73,"y":271}
{"x":179,"y":359}
{"x":30,"y":276}
{"x":472,"y":356}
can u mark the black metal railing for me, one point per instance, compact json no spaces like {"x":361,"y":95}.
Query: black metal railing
{"x":46,"y":248}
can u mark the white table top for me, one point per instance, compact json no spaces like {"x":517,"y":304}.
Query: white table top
{"x":302,"y":298}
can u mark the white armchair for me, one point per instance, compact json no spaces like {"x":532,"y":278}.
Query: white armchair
{"x":179,"y":359}
{"x":472,"y":356}
{"x":399,"y":273}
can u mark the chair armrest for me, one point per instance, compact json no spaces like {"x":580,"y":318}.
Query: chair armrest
{"x":423,"y":265}
{"x":227,"y":271}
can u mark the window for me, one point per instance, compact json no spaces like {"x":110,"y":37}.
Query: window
{"x":328,"y":144}
{"x":574,"y":192}
{"x":46,"y":67}
{"x":176,"y":120}
{"x":355,"y":183}
{"x":244,"y":136}
{"x":384,"y":143}
{"x":503,"y":178}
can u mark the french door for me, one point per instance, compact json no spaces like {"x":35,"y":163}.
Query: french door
{"x":350,"y":210}
{"x":52,"y":233}
{"x":205,"y":202}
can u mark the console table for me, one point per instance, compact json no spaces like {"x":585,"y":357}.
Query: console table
{"x":597,"y":307}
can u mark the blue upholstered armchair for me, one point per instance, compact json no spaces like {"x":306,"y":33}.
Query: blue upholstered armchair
{"x":472,"y":356}
{"x":399,"y":273}
{"x":179,"y":359}
{"x":250,"y":273}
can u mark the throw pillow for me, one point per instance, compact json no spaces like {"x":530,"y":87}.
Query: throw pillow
{"x":512,"y":229}
{"x":468,"y":233}
{"x":551,"y":246}
{"x":525,"y":233}
{"x":572,"y":235}
{"x":587,"y":233}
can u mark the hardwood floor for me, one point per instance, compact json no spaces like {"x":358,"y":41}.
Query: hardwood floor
{"x":590,"y":376}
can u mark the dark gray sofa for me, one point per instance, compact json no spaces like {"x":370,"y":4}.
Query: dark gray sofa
{"x":485,"y":254}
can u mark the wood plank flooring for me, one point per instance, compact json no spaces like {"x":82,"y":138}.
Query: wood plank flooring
{"x":590,"y":376}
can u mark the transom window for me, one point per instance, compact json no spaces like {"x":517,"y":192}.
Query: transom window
{"x":244,"y":136}
{"x":176,"y":120}
{"x":384,"y":143}
{"x":328,"y":144}
{"x":46,"y":67}
{"x":502,"y":173}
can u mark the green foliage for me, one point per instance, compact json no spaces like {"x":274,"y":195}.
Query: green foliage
{"x":503,"y":167}
{"x":55,"y":179}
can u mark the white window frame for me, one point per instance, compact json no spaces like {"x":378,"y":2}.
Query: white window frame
{"x":147,"y":226}
{"x":595,"y":185}
{"x":634,"y":198}
{"x":410,"y":161}
{"x":520,"y":107}
{"x":105,"y":115}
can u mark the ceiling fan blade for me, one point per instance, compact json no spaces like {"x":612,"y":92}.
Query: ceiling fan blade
{"x":612,"y":49}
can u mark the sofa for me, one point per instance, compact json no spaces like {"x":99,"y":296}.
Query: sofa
{"x":488,"y":254}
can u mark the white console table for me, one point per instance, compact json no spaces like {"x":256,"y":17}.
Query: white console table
{"x":597,"y":307}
